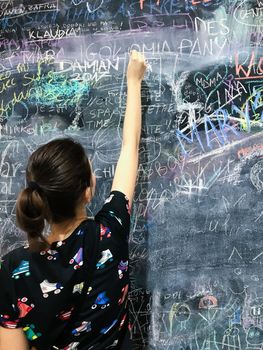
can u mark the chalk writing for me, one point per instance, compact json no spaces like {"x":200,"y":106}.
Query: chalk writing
{"x":195,"y":240}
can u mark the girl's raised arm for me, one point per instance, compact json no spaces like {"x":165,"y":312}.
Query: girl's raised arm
{"x":127,"y":166}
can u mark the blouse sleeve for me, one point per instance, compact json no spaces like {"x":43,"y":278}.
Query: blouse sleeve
{"x":9,"y":317}
{"x":115,"y":215}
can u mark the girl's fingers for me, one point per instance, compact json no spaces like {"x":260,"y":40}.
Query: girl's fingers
{"x":140,"y":56}
{"x":134,"y":54}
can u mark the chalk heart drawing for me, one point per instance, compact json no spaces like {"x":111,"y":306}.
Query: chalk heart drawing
{"x":211,"y":81}
{"x":93,"y":6}
{"x":256,"y":175}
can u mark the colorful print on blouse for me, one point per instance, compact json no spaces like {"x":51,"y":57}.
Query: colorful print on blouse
{"x":39,"y":290}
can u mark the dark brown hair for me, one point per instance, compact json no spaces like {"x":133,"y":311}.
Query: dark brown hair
{"x":57,"y":175}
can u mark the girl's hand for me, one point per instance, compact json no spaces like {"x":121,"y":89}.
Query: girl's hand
{"x":136,"y":67}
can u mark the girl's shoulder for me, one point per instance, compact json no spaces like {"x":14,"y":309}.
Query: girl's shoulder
{"x":16,"y":258}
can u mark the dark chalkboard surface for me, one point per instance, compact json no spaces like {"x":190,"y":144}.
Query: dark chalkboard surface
{"x":196,"y":235}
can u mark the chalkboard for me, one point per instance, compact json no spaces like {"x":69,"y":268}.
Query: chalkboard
{"x":196,"y":235}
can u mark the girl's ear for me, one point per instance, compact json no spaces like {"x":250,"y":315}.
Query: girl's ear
{"x":93,"y":187}
{"x":88,"y":194}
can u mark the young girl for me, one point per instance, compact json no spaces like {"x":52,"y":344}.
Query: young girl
{"x":68,"y":289}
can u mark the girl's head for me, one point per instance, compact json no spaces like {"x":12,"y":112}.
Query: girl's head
{"x":59,"y":181}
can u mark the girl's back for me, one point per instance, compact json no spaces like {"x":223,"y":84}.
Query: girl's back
{"x":44,"y":286}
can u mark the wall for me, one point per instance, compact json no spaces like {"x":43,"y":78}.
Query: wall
{"x":195,"y":245}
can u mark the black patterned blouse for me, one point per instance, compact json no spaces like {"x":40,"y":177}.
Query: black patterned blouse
{"x":38,"y":291}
